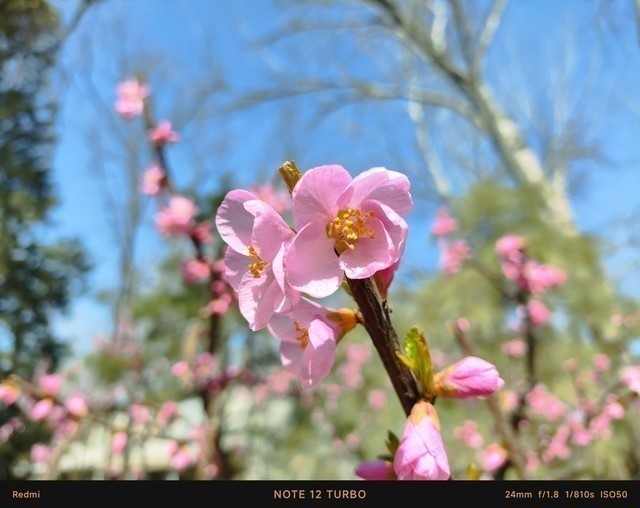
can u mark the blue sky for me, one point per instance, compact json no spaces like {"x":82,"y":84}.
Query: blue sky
{"x":198,"y":37}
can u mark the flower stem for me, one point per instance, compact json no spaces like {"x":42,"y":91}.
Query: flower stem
{"x":377,"y":322}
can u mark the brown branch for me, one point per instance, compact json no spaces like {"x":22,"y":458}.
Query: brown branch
{"x":377,"y":322}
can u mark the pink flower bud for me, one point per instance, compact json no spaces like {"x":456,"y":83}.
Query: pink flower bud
{"x":195,"y":270}
{"x":41,"y":410}
{"x":444,"y":224}
{"x":384,"y":278}
{"x":375,"y":470}
{"x":516,"y":348}
{"x":152,"y":180}
{"x":493,"y":457}
{"x":163,"y":133}
{"x":180,"y":368}
{"x":630,"y":376}
{"x":51,"y":384}
{"x":131,"y":95}
{"x":539,"y":315}
{"x":76,"y":405}
{"x":421,"y":454}
{"x":470,"y":377}
{"x":509,"y":247}
{"x":177,"y":218}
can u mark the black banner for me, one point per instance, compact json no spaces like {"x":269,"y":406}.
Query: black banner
{"x":548,"y":494}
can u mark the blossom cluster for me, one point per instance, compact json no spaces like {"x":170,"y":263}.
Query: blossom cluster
{"x":344,"y":227}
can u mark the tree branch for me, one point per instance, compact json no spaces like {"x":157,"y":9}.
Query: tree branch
{"x":378,"y":325}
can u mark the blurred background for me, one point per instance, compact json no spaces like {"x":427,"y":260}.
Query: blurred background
{"x":519,"y":117}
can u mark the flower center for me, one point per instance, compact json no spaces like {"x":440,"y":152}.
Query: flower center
{"x":303,"y":334}
{"x":349,"y":227}
{"x":256,"y":268}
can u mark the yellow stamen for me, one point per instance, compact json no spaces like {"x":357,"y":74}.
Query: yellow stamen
{"x":349,"y":227}
{"x":303,"y":335}
{"x":256,"y":268}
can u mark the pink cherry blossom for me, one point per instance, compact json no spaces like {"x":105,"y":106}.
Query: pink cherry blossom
{"x":41,"y":410}
{"x":630,"y":376}
{"x":195,"y":270}
{"x":219,"y":306}
{"x":258,"y":238}
{"x":202,"y":233}
{"x":613,"y":409}
{"x":384,"y":278}
{"x":468,"y":434}
{"x":558,"y":448}
{"x":539,"y":279}
{"x":421,"y":454}
{"x":40,"y":453}
{"x":130,"y":101}
{"x":278,"y":199}
{"x":9,"y":394}
{"x":516,"y":348}
{"x":181,"y":457}
{"x":177,"y":218}
{"x":152,"y":180}
{"x":180,"y":368}
{"x":493,"y":457}
{"x":510,"y":247}
{"x":309,"y":341}
{"x":580,"y":435}
{"x":542,"y":402}
{"x":377,"y":400}
{"x":167,"y":412}
{"x":51,"y":384}
{"x":470,"y":377}
{"x":452,"y":256}
{"x":532,"y":462}
{"x":601,"y":363}
{"x":119,"y":443}
{"x":163,"y":133}
{"x":351,"y":226}
{"x":140,"y":415}
{"x":76,"y":405}
{"x":444,"y":224}
{"x":538,"y":313}
{"x":375,"y":470}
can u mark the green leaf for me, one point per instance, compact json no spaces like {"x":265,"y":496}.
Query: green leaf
{"x":392,"y":443}
{"x":418,"y":359}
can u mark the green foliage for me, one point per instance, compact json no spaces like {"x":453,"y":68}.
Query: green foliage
{"x":35,"y":278}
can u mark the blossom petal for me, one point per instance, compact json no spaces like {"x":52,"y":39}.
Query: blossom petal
{"x":392,"y":222}
{"x":388,"y":187}
{"x":316,"y":195}
{"x":291,"y":297}
{"x":234,"y":221}
{"x":370,"y":254}
{"x":291,"y":356}
{"x":311,"y":263}
{"x":256,"y":298}
{"x":319,"y":355}
{"x":282,"y":326}
{"x":270,"y":231}
{"x":235,"y":266}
